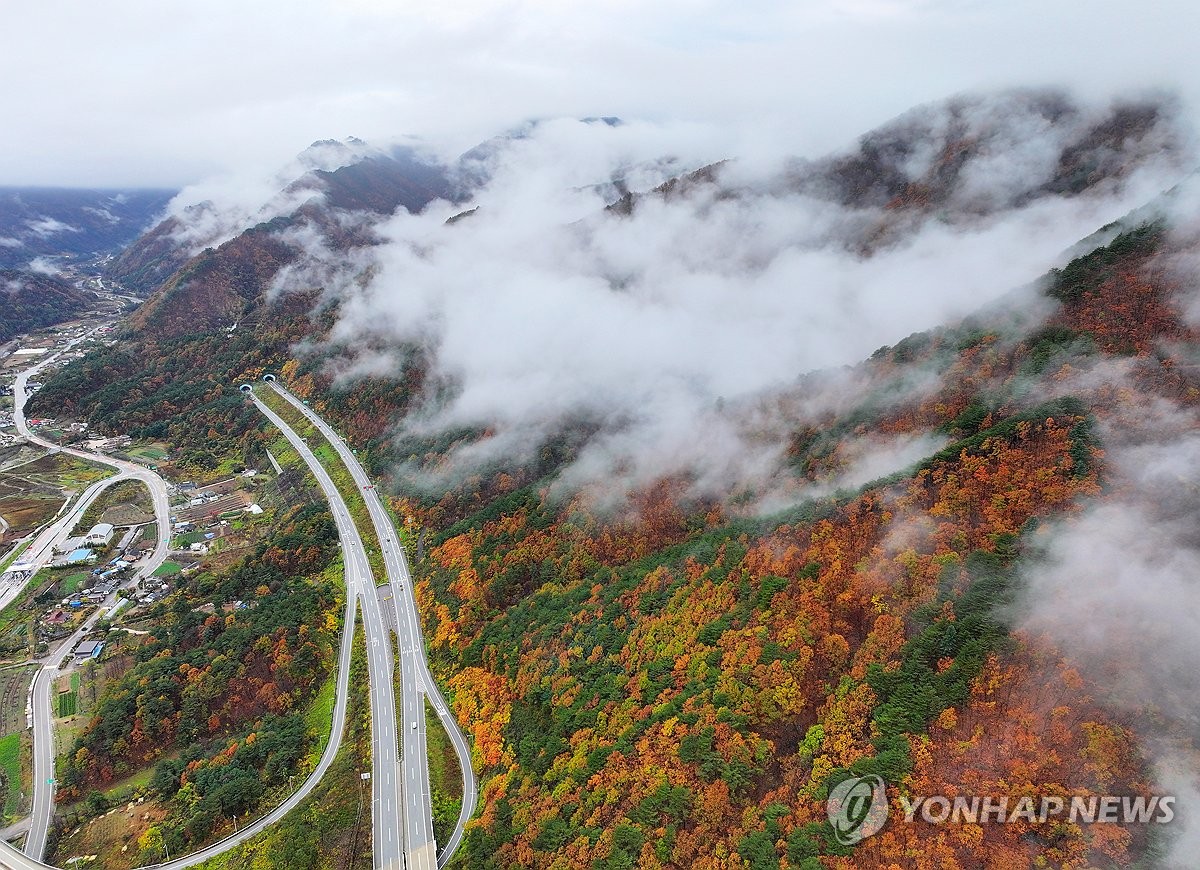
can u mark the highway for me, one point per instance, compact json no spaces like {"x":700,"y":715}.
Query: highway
{"x":11,"y":859}
{"x":402,"y":834}
{"x":386,"y":785}
{"x":43,"y":739}
{"x":359,"y":587}
{"x":416,"y":680}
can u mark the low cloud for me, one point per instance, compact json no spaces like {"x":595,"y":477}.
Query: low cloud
{"x":216,"y":210}
{"x":44,"y":266}
{"x":45,"y":227}
{"x":541,"y":307}
{"x":1117,"y":588}
{"x":102,"y":213}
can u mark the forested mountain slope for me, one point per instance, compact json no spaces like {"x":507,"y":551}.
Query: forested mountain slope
{"x":30,"y":301}
{"x":683,"y":578}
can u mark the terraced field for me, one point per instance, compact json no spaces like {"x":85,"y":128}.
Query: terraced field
{"x":14,"y":689}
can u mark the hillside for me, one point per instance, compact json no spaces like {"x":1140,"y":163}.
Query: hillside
{"x":308,"y":247}
{"x":648,"y":687}
{"x":947,"y":162}
{"x":31,"y":301}
{"x":336,"y":177}
{"x":688,"y":555}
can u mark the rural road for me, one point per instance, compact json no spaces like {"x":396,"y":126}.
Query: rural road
{"x":402,"y":834}
{"x":355,"y":580}
{"x":39,"y":555}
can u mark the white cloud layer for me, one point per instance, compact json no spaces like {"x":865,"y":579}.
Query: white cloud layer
{"x":665,"y":328}
{"x":1118,"y":590}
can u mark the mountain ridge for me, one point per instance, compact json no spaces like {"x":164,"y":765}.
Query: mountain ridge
{"x":676,"y":675}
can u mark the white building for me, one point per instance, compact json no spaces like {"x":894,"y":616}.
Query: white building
{"x":100,"y":535}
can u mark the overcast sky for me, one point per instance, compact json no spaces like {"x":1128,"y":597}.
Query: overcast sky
{"x":147,"y":92}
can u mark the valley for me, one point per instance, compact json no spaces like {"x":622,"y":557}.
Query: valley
{"x":495,"y":510}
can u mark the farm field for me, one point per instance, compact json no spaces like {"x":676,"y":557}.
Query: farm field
{"x":62,"y":470}
{"x":12,"y":750}
{"x":14,"y":619}
{"x":186,"y":540}
{"x":32,"y":490}
{"x":70,"y":584}
{"x":125,"y":503}
{"x":66,"y":699}
{"x":147,"y":451}
{"x":24,"y":513}
{"x":15,"y":759}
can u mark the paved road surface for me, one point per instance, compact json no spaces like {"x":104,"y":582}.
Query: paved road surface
{"x":387,"y":788}
{"x":13,"y":860}
{"x":39,"y":554}
{"x":126,"y":470}
{"x":393,"y":849}
{"x":416,"y":680}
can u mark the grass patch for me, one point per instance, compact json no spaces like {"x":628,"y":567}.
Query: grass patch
{"x":186,"y":540}
{"x":148,"y":451}
{"x":122,"y":790}
{"x":10,"y":763}
{"x":445,"y":776}
{"x":70,"y":584}
{"x":319,"y":719}
{"x":168,"y":569}
{"x":16,"y":554}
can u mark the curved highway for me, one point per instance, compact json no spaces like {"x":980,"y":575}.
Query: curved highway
{"x":416,"y":680}
{"x":156,"y":485}
{"x":355,"y":561}
{"x":387,"y":838}
{"x":393,"y":848}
